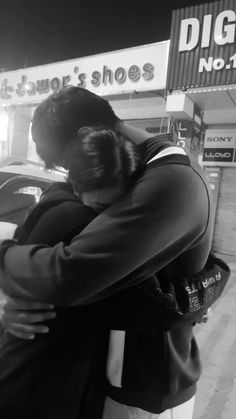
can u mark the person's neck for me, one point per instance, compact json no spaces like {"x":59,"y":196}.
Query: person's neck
{"x":134,"y":134}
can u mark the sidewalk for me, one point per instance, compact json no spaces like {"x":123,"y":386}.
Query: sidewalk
{"x":216,"y":394}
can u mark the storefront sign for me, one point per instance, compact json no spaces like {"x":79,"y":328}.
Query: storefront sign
{"x":134,"y":69}
{"x":203,"y":48}
{"x":190,"y":133}
{"x":218,"y":155}
{"x":220,"y":148}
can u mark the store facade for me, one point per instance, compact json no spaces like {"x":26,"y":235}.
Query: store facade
{"x":202,"y":76}
{"x":133,"y":80}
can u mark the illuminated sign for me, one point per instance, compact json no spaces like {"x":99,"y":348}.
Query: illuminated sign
{"x":219,"y":147}
{"x":218,"y":155}
{"x":189,"y":133}
{"x":203,"y":50}
{"x":104,"y":77}
{"x":134,"y":69}
{"x":222,"y":30}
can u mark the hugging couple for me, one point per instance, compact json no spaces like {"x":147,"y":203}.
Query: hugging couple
{"x":96,"y":323}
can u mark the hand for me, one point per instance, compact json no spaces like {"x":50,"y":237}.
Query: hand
{"x":205,"y":317}
{"x":22,"y":318}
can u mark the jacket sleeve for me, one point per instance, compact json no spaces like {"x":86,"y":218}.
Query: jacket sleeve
{"x":163,"y":215}
{"x":60,"y":223}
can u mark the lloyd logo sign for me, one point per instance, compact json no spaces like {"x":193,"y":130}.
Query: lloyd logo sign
{"x":219,"y":147}
{"x":217,"y":155}
{"x":203,"y":49}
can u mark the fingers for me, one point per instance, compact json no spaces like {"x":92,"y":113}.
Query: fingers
{"x":22,"y":325}
{"x":15,"y":304}
{"x":205,"y":317}
{"x":24,"y":319}
{"x":20,"y":335}
{"x":28,"y":317}
{"x":24,"y":331}
{"x":209,"y":312}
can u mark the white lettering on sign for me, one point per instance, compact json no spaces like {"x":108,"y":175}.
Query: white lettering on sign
{"x":189,"y":33}
{"x":205,"y":64}
{"x":217,"y":155}
{"x":224,"y":31}
{"x":209,"y":64}
{"x":206,"y":31}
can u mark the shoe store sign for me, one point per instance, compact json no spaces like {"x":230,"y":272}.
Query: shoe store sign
{"x":219,"y":148}
{"x":125,"y":71}
{"x":203,"y":47}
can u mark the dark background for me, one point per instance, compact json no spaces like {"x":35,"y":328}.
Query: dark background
{"x":38,"y":32}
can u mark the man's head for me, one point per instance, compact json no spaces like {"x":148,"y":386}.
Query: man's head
{"x":57,"y":120}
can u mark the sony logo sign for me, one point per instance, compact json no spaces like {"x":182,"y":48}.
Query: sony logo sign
{"x":222,"y":31}
{"x":219,"y":139}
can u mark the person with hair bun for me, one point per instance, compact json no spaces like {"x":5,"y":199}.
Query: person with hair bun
{"x":102,"y":166}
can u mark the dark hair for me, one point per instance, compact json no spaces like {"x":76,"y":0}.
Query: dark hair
{"x":103,"y":159}
{"x":58,"y":118}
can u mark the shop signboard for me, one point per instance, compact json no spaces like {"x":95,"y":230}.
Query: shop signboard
{"x":130,"y":70}
{"x":202,"y":46}
{"x":219,"y":148}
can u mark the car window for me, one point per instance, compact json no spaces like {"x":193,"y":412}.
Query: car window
{"x":31,"y":190}
{"x":26,"y":184}
{"x":17,"y":196}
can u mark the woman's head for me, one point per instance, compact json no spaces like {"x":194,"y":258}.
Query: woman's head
{"x":57,"y":120}
{"x":102,"y":166}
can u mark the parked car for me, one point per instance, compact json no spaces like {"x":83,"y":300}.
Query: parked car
{"x":21,"y":184}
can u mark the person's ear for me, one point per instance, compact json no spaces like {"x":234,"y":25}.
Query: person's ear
{"x":84,"y":131}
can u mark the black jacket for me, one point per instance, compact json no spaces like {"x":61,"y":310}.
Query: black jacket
{"x":61,"y":374}
{"x":163,"y":223}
